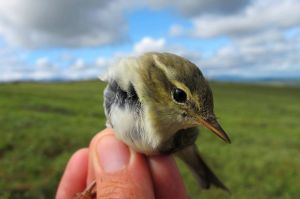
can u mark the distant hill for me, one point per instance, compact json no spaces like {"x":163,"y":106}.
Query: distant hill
{"x":259,"y":80}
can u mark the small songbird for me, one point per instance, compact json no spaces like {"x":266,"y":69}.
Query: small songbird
{"x":155,"y":104}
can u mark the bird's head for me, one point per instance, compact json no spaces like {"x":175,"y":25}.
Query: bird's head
{"x":176,"y":93}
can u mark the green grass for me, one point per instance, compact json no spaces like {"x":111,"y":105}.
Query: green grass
{"x":41,"y":125}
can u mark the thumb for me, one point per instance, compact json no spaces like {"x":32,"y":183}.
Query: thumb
{"x":119,"y":171}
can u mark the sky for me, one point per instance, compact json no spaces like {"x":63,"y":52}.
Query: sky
{"x":76,"y":39}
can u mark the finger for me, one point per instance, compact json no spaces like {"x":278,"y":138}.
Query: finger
{"x":74,"y":177}
{"x":120,"y":172}
{"x":91,"y":174}
{"x":166,"y":178}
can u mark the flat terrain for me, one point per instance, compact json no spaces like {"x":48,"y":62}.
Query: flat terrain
{"x":41,"y":125}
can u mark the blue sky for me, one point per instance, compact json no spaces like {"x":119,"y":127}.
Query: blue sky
{"x":73,"y":40}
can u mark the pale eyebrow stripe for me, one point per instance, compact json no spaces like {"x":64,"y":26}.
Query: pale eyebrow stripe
{"x":176,"y":83}
{"x":159,"y":64}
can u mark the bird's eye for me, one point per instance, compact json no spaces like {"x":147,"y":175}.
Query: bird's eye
{"x":179,"y":95}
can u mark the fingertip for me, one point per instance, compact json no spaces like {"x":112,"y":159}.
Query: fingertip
{"x":112,"y":154}
{"x":119,"y":171}
{"x":166,"y":178}
{"x":99,"y":135}
{"x":78,"y":159}
{"x":74,"y":177}
{"x":92,"y":146}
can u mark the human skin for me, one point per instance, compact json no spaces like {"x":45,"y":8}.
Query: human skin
{"x":120,"y":172}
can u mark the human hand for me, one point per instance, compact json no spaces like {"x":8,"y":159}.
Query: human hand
{"x":120,"y":172}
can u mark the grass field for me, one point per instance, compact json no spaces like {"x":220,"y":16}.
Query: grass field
{"x":41,"y":125}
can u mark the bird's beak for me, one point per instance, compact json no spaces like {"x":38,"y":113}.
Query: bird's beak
{"x":215,"y":127}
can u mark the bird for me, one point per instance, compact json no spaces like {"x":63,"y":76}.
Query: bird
{"x":156,"y":103}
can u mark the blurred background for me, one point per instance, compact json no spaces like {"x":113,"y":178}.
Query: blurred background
{"x":51,"y":53}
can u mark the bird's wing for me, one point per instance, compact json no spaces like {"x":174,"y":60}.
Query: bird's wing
{"x":205,"y":176}
{"x":114,"y":95}
{"x":181,"y":139}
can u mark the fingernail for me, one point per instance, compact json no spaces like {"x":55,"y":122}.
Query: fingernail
{"x":113,"y":154}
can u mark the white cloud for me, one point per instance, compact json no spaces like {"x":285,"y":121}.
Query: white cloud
{"x":14,"y":68}
{"x":268,"y":54}
{"x":62,"y":23}
{"x":148,"y":44}
{"x":43,"y":62}
{"x":79,"y":64}
{"x":257,"y":17}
